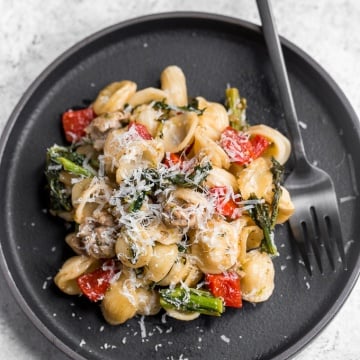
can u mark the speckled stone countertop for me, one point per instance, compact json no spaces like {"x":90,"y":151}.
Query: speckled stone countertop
{"x":34,"y":32}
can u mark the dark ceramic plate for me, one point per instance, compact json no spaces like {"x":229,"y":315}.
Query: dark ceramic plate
{"x":213,"y":51}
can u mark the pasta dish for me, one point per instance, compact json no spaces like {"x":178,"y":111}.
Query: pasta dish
{"x":172,"y":201}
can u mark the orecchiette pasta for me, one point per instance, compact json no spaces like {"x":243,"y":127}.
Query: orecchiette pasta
{"x":149,"y":117}
{"x":142,"y":154}
{"x":120,"y":300}
{"x":169,"y":197}
{"x":132,"y":249}
{"x":163,"y":259}
{"x":146,"y":96}
{"x":147,"y":301}
{"x":114,"y":97}
{"x":258,"y":282}
{"x":178,"y":132}
{"x":206,"y":147}
{"x":286,"y":207}
{"x":216,"y":248}
{"x":214,"y":119}
{"x":221,"y":177}
{"x":256,"y":179}
{"x":65,"y":279}
{"x":164,"y":234}
{"x":173,"y":82}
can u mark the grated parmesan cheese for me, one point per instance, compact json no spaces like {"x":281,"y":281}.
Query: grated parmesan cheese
{"x":225,"y":339}
{"x":142,"y":327}
{"x":82,"y":343}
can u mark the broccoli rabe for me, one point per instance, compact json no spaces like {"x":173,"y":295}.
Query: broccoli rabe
{"x":58,"y":159}
{"x":155,"y":181}
{"x":191,"y":300}
{"x":236,"y":107}
{"x":264,"y":214}
{"x":193,"y":106}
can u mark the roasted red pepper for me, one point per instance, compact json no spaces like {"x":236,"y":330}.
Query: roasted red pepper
{"x":141,"y":130}
{"x":172,"y":159}
{"x":224,"y":204}
{"x":259,"y":144}
{"x":226,"y":286}
{"x":94,"y":285}
{"x":240,"y":148}
{"x":75,"y":121}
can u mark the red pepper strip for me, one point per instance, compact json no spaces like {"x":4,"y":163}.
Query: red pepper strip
{"x":224,"y":206}
{"x":172,"y":159}
{"x":236,"y":145}
{"x":74,"y":123}
{"x":141,"y":130}
{"x":94,"y":285}
{"x":240,"y":148}
{"x":226,"y":286}
{"x":259,"y":144}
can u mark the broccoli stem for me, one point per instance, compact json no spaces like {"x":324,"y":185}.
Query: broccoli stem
{"x":237,"y":106}
{"x":268,"y":244}
{"x":73,"y":168}
{"x":265,"y":215}
{"x":277,"y":171}
{"x":191,"y":300}
{"x":260,"y":214}
{"x":193,"y":180}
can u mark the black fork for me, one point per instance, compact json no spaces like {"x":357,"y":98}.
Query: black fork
{"x":315,"y":225}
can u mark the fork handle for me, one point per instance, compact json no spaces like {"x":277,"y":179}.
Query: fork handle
{"x":278,"y":64}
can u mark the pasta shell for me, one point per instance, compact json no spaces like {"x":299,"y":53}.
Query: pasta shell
{"x":250,"y":238}
{"x":173,"y":82}
{"x":256,"y":178}
{"x":257,"y":285}
{"x":145,"y":96}
{"x":286,"y":207}
{"x":147,"y":116}
{"x":215,"y":250}
{"x":132,"y":250}
{"x":77,"y":190}
{"x":185,"y":208}
{"x":161,"y":262}
{"x":178,"y":132}
{"x":205,"y":147}
{"x":148,"y":301}
{"x":139,"y":154}
{"x":120,"y":300}
{"x":182,"y":315}
{"x":114,"y":96}
{"x":194,"y":275}
{"x":221,"y":177}
{"x":113,"y":148}
{"x":66,"y":278}
{"x":178,"y":272}
{"x":94,"y":196}
{"x":214,"y":119}
{"x":164,"y":234}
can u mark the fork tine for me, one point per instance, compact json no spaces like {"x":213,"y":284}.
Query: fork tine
{"x":313,"y":237}
{"x":330,"y":234}
{"x":334,"y":229}
{"x":298,"y":235}
{"x":325,"y":239}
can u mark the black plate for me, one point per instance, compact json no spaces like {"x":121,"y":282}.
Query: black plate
{"x":213,"y":51}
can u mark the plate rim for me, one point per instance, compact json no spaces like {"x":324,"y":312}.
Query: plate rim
{"x":298,"y":345}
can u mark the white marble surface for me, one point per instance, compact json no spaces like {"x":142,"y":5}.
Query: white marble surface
{"x":35,"y":32}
